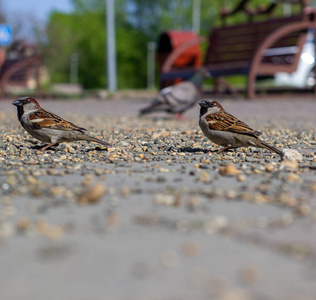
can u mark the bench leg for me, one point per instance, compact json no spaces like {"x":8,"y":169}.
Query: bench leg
{"x":251,"y":86}
{"x":217,"y":84}
{"x":2,"y":90}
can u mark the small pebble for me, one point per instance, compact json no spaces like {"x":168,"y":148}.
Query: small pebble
{"x":229,"y":170}
{"x":92,"y":194}
{"x":270,"y":168}
{"x":191,"y":248}
{"x":312,"y":186}
{"x":170,"y":259}
{"x":205,"y":177}
{"x":23,"y":224}
{"x":289,"y":164}
{"x":249,"y":274}
{"x":241,"y":177}
{"x":292,"y":177}
{"x":290,"y":154}
{"x":112,"y":219}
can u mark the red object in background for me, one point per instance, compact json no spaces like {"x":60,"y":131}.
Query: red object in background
{"x":2,"y":56}
{"x":188,"y":45}
{"x":173,"y":39}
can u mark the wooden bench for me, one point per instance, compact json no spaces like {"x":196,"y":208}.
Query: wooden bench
{"x":18,"y":69}
{"x":253,"y":49}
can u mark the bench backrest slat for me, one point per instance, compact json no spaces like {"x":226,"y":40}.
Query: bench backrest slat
{"x":239,"y":43}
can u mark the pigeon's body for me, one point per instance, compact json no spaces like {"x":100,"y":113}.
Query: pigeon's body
{"x":175,"y":98}
{"x":180,"y":97}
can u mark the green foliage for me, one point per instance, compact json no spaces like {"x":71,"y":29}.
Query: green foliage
{"x":81,"y":33}
{"x":90,"y":44}
{"x":137,"y":23}
{"x":60,"y":45}
{"x":131,"y":58}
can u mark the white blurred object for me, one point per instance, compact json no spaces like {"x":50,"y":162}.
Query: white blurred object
{"x":290,"y":154}
{"x":304,"y":74}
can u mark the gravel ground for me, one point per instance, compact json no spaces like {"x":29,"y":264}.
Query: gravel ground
{"x":159,"y":215}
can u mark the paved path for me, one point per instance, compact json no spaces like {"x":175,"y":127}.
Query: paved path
{"x":170,"y":224}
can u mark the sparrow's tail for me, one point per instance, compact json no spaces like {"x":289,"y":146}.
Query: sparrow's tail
{"x":86,"y":137}
{"x":271,"y":148}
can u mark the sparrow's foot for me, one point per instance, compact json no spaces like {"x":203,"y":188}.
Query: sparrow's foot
{"x":47,"y":146}
{"x":222,"y":150}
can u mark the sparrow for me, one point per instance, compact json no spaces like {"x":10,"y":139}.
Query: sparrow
{"x":178,"y":98}
{"x":226,"y":130}
{"x":48,"y":127}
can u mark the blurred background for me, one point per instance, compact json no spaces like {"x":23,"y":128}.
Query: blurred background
{"x":71,"y":38}
{"x":169,"y":220}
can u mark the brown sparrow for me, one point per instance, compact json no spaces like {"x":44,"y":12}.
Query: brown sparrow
{"x":48,"y":127}
{"x":226,"y":130}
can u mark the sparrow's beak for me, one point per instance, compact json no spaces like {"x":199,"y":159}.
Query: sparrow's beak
{"x":203,"y":104}
{"x":17,"y":103}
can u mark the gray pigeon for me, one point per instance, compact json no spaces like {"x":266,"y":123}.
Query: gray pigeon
{"x":178,"y":98}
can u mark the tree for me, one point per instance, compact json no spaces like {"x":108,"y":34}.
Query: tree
{"x":137,"y":22}
{"x":83,"y":32}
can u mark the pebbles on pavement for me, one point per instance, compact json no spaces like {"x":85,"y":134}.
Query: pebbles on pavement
{"x":166,"y":175}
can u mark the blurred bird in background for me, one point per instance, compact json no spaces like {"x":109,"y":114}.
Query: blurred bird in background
{"x":177,"y":99}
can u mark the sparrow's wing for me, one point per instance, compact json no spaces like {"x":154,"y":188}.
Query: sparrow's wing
{"x":226,"y":122}
{"x":45,"y":119}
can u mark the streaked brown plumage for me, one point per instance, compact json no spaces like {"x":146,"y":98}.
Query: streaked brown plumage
{"x":226,"y":130}
{"x":47,"y":126}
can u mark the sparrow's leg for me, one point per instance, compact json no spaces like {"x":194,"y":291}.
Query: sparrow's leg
{"x":223,"y":149}
{"x":47,"y":146}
